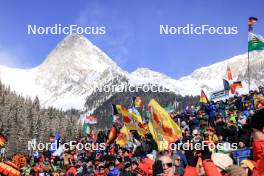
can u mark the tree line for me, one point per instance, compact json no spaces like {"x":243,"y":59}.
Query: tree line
{"x":23,"y":119}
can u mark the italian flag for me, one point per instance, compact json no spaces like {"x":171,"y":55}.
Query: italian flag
{"x":255,"y":42}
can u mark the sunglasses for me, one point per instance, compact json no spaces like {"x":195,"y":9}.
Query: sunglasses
{"x":167,"y":164}
{"x":196,"y":134}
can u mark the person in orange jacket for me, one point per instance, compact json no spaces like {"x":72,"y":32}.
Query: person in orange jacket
{"x":256,"y":123}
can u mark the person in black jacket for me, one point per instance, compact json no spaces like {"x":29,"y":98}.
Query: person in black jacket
{"x":127,"y":170}
{"x":231,"y":132}
{"x":220,"y":126}
{"x":148,"y":144}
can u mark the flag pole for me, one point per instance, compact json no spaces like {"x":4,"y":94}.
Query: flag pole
{"x":248,"y":74}
{"x":251,"y":21}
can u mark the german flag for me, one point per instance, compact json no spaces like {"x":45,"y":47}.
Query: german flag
{"x":238,"y":84}
{"x":119,"y":109}
{"x":251,"y":21}
{"x":138,"y":102}
{"x":203,"y":97}
{"x":3,"y":140}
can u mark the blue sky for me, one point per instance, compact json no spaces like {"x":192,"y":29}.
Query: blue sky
{"x":132,"y":27}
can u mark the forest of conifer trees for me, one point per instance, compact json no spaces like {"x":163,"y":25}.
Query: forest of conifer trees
{"x":22,"y":119}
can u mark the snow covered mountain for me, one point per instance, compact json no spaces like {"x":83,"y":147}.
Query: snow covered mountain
{"x":67,"y":76}
{"x":210,"y":78}
{"x":75,"y":68}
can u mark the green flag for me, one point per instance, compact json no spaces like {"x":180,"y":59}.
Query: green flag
{"x":86,"y":128}
{"x":256,"y":42}
{"x":169,"y":108}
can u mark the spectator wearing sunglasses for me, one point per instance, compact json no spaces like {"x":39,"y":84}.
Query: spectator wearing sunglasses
{"x":178,"y":168}
{"x":168,"y":165}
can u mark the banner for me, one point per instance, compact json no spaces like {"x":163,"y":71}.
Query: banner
{"x":219,"y":94}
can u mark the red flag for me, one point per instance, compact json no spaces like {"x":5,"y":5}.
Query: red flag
{"x":233,"y":88}
{"x":229,"y":74}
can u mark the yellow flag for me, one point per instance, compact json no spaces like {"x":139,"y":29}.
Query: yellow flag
{"x":131,"y":120}
{"x":257,"y":98}
{"x":162,"y":145}
{"x":123,"y":137}
{"x":163,"y":123}
{"x":136,"y":123}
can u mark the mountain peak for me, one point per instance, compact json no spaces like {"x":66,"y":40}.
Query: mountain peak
{"x":75,"y":39}
{"x":147,"y":73}
{"x":77,"y":51}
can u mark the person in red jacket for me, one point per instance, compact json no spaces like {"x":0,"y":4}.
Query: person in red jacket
{"x":256,"y":123}
{"x":71,"y":170}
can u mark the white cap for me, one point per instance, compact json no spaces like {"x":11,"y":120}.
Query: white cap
{"x":222,"y":160}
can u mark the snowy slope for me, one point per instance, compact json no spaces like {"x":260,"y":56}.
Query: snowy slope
{"x":68,"y":75}
{"x":210,"y":77}
{"x":145,"y":76}
{"x":73,"y":70}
